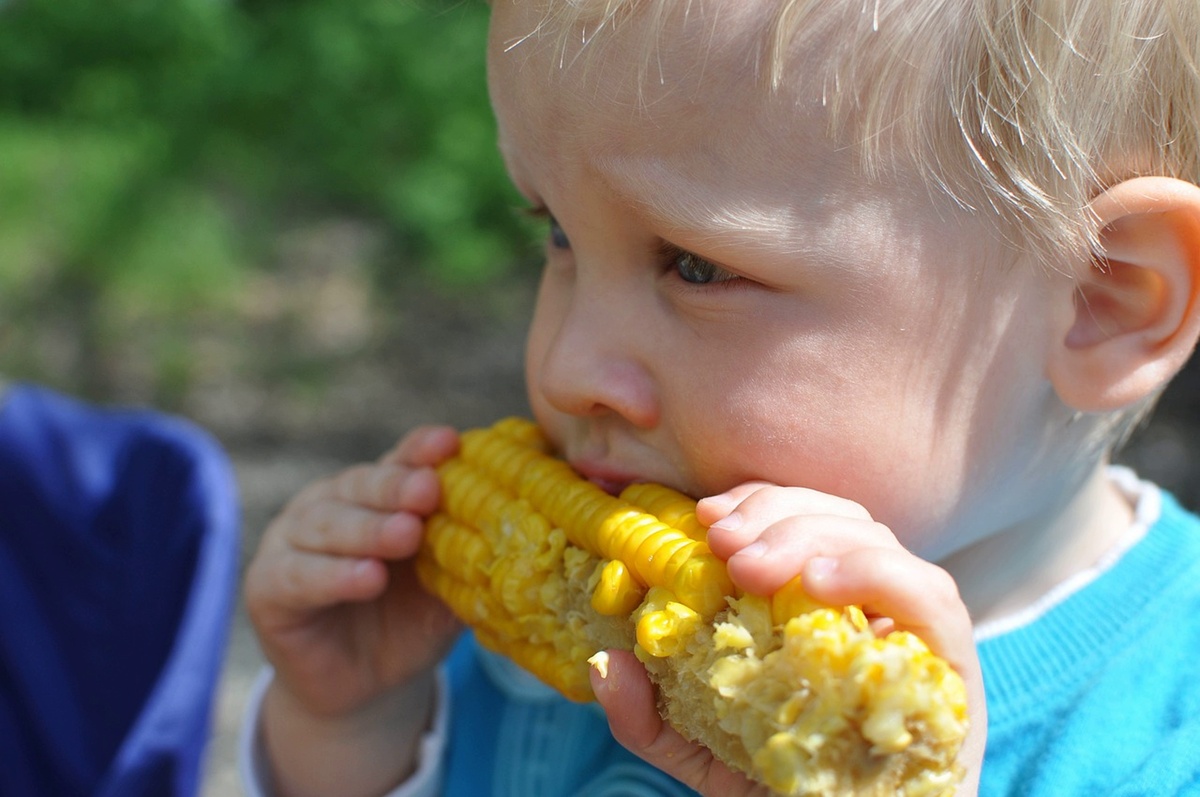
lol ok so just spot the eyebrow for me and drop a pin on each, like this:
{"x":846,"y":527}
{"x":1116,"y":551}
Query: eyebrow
{"x":670,"y":200}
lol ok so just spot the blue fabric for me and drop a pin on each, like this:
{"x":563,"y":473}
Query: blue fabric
{"x":507,"y":745}
{"x":1102,"y":694}
{"x":118,"y":568}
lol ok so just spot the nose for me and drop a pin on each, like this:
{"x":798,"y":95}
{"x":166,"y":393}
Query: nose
{"x":594,"y":361}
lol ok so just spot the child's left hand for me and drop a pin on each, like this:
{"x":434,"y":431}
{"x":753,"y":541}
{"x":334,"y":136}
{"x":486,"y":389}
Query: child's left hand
{"x":768,"y":535}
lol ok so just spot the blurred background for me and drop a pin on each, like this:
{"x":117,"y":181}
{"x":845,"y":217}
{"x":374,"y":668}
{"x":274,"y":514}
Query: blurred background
{"x":288,"y":222}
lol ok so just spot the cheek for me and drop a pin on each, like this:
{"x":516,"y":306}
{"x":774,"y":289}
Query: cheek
{"x":876,"y":428}
{"x":903,"y":470}
{"x":790,"y":416}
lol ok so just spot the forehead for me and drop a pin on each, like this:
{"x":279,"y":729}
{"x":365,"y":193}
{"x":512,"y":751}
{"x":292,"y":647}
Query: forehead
{"x":637,"y":33}
{"x":648,"y":51}
{"x":693,"y":86}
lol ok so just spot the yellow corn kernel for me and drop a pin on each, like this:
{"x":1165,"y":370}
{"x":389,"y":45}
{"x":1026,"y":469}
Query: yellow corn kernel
{"x":669,"y":506}
{"x":502,"y":467}
{"x":781,"y":760}
{"x":616,"y":592}
{"x":664,"y":625}
{"x":791,"y":601}
{"x":549,"y":569}
{"x":455,"y":546}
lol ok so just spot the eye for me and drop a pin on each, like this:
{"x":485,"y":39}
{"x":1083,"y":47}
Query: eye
{"x":555,"y":235}
{"x":694,"y":269}
{"x":558,"y":238}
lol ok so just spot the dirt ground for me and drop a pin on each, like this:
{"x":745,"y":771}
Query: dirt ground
{"x":457,"y":360}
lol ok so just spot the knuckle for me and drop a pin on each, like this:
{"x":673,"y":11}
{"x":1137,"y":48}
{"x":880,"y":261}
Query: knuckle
{"x":305,"y":519}
{"x":311,"y":492}
{"x":942,"y":586}
{"x":260,"y":589}
{"x":773,"y":494}
{"x":395,"y":485}
{"x":880,"y":529}
{"x":694,"y":765}
{"x":325,"y":529}
{"x":346,"y":483}
{"x":855,"y":509}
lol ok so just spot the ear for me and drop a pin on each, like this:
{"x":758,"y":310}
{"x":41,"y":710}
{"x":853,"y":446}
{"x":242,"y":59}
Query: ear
{"x":1136,"y":313}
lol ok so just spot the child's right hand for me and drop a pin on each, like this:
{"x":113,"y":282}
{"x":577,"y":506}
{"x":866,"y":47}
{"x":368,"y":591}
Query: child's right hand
{"x":768,"y":535}
{"x":334,"y":598}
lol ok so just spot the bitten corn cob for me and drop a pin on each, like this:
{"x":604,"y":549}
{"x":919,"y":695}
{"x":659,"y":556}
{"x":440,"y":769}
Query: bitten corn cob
{"x":549,"y":569}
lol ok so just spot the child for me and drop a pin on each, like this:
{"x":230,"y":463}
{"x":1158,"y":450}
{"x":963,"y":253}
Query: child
{"x":885,"y":283}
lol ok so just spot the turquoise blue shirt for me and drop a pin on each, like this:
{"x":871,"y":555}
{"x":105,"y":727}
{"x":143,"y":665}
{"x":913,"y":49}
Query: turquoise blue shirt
{"x":1099,"y":694}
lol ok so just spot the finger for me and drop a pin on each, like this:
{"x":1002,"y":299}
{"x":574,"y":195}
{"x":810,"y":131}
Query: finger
{"x":424,"y":446}
{"x":921,"y":598}
{"x":711,"y":509}
{"x":303,"y":582}
{"x":779,"y":552}
{"x":627,"y":696}
{"x":388,"y":488}
{"x":917,"y":595}
{"x":767,"y":505}
{"x":340,"y":529}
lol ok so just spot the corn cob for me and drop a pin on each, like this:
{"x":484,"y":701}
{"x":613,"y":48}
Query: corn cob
{"x":548,"y":569}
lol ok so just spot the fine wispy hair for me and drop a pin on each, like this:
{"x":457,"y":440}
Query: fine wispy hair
{"x":1023,"y":108}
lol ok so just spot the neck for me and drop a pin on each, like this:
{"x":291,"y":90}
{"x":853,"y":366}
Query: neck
{"x":1010,"y":570}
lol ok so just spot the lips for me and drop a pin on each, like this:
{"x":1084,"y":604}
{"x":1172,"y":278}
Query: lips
{"x":608,"y":479}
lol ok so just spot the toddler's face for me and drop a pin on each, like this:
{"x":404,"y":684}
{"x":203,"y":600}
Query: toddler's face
{"x":726,"y":298}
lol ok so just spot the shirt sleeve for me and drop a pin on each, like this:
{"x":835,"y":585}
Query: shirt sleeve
{"x":426,"y":781}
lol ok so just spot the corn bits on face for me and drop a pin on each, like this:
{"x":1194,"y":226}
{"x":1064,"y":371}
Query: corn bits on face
{"x":548,"y":569}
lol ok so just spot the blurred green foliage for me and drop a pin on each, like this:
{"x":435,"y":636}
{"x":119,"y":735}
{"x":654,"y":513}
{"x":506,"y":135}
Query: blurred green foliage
{"x":152,"y":150}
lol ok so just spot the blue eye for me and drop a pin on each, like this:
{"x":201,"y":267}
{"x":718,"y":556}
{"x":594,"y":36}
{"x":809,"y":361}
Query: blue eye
{"x":558,"y":238}
{"x":696,"y":270}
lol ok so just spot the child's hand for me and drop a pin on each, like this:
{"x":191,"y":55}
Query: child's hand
{"x":628,"y":699}
{"x":768,"y":535}
{"x":338,"y":609}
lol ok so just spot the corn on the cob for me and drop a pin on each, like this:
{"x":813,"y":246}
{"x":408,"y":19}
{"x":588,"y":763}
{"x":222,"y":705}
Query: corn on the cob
{"x":548,"y":569}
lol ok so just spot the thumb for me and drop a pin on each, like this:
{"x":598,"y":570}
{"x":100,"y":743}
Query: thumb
{"x":624,"y":691}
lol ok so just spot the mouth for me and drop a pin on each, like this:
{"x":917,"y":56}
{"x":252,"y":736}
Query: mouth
{"x":609,"y":480}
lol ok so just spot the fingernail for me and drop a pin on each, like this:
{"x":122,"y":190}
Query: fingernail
{"x":363,"y":569}
{"x":731,"y":522}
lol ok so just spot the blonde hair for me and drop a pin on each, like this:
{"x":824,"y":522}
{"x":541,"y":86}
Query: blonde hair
{"x":1026,"y":107}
